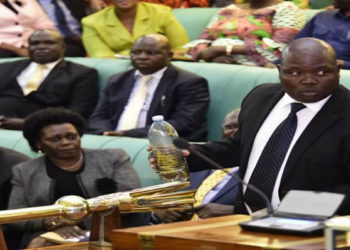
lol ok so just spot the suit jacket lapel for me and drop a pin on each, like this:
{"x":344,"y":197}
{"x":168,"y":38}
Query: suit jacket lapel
{"x":114,"y":26}
{"x":141,"y":23}
{"x":321,"y":122}
{"x":261,"y":108}
{"x":53,"y":75}
{"x":14,"y":72}
{"x":159,"y":96}
{"x":122,"y":91}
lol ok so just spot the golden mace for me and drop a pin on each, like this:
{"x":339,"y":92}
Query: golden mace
{"x":73,"y":208}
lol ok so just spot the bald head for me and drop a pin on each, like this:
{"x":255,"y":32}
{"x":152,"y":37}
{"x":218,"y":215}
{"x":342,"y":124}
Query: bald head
{"x":230,"y":124}
{"x":160,"y":40}
{"x":151,"y":53}
{"x":47,"y":32}
{"x":309,"y":71}
{"x":308,"y":47}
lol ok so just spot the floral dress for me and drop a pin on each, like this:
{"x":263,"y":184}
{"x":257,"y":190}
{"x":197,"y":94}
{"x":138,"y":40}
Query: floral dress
{"x":264,"y":32}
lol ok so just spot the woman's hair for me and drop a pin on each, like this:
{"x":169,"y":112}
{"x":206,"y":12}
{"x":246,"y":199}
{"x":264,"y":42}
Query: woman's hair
{"x":36,"y":121}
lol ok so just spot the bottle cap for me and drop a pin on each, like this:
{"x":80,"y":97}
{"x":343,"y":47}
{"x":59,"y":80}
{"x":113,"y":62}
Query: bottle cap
{"x":157,"y":118}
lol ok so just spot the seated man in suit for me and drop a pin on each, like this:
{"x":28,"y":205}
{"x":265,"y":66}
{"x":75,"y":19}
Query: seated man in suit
{"x":45,"y":80}
{"x":216,"y":191}
{"x":8,"y":159}
{"x":153,"y":87}
{"x":292,"y":135}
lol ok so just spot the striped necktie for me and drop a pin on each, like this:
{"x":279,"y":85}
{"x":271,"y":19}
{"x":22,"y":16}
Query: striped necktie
{"x":271,"y":159}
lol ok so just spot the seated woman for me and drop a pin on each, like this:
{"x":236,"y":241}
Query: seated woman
{"x":114,"y":29}
{"x":18,"y":20}
{"x":65,"y":169}
{"x":248,"y":34}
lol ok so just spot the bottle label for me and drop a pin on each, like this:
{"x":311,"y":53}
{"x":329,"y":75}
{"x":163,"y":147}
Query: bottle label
{"x":171,"y":163}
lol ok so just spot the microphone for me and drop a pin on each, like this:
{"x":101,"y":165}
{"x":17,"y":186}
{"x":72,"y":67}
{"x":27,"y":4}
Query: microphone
{"x":184,"y":144}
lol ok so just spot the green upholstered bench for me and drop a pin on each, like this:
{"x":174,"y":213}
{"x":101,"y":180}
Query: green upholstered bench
{"x":135,"y":147}
{"x":228,"y":86}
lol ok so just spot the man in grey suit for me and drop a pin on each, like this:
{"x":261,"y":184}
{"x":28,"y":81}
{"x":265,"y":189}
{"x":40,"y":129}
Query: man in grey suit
{"x":318,"y":156}
{"x":180,"y":96}
{"x":60,"y":83}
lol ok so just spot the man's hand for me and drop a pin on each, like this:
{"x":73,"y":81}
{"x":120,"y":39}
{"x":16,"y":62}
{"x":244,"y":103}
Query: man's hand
{"x":70,"y":231}
{"x":153,"y":161}
{"x":64,"y":229}
{"x":173,"y":215}
{"x":52,"y":223}
{"x":19,"y":51}
{"x":213,"y":210}
{"x":11,"y":123}
{"x":114,"y":133}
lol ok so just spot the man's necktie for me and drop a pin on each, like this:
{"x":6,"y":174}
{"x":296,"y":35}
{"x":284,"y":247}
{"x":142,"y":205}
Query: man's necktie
{"x":61,"y":20}
{"x":35,"y":79}
{"x":132,"y":110}
{"x":208,"y":184}
{"x":270,"y":161}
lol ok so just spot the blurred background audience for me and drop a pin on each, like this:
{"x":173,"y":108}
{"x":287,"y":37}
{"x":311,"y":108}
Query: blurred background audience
{"x":18,"y":20}
{"x":332,"y":26}
{"x":43,"y":80}
{"x":114,"y":29}
{"x":250,"y":34}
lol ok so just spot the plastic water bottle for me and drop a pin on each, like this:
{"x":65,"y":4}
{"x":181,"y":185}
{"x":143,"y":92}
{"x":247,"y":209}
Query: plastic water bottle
{"x":171,"y":163}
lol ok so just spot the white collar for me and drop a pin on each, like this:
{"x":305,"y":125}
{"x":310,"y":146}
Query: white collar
{"x":313,"y":106}
{"x":156,"y":75}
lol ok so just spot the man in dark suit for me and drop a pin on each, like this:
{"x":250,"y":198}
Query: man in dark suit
{"x":180,"y":96}
{"x":8,"y":158}
{"x":318,"y":156}
{"x":45,"y":80}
